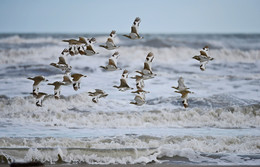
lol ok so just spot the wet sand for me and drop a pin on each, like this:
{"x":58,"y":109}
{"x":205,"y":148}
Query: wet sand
{"x":135,"y":165}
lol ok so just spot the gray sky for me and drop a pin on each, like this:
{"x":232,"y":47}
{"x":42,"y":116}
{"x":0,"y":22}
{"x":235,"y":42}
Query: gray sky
{"x":102,"y":16}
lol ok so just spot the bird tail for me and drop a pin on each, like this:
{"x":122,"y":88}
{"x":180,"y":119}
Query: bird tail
{"x":102,"y":46}
{"x":103,"y":67}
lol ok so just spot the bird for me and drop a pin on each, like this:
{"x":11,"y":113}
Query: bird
{"x":181,"y":85}
{"x":112,"y":63}
{"x":73,"y":46}
{"x":39,"y":98}
{"x":72,"y":41}
{"x":134,"y":30}
{"x":123,"y":83}
{"x":139,"y":84}
{"x":76,"y":80}
{"x":203,"y":58}
{"x":97,"y":95}
{"x":89,"y":51}
{"x":37,"y":80}
{"x":147,"y":70}
{"x":139,"y":81}
{"x":139,"y":98}
{"x":57,"y":85}
{"x":184,"y":95}
{"x":62,"y":64}
{"x":110,"y":45}
{"x":67,"y":80}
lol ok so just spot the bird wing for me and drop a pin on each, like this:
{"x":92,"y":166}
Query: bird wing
{"x":111,"y":62}
{"x":134,"y":30}
{"x":76,"y":77}
{"x":147,"y":67}
{"x":62,"y":60}
{"x":123,"y":83}
{"x":89,"y":47}
{"x":181,"y":84}
{"x":204,"y":53}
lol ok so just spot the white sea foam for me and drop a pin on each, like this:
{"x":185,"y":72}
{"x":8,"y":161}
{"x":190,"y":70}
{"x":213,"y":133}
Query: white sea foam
{"x":130,"y":149}
{"x":80,"y":111}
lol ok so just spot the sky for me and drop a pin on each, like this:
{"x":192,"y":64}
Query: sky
{"x":102,"y":16}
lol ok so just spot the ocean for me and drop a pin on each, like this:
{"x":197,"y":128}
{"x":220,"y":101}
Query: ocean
{"x":221,"y":125}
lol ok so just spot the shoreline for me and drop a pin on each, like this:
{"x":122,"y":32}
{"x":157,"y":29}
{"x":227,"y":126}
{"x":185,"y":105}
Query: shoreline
{"x":39,"y":164}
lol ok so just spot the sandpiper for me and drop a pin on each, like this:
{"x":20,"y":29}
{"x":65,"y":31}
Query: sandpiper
{"x":62,"y":64}
{"x":181,"y":85}
{"x":76,"y":80}
{"x":134,"y":30}
{"x":123,"y":83}
{"x":39,"y":98}
{"x":57,"y":85}
{"x":203,"y":58}
{"x":110,"y":45}
{"x":112,"y":63}
{"x":147,"y":70}
{"x":97,"y":95}
{"x":37,"y":80}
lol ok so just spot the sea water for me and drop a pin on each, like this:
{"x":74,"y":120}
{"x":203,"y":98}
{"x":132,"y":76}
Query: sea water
{"x":220,"y":126}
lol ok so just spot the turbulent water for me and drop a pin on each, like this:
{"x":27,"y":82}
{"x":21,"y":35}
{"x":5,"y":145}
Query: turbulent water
{"x":220,"y":126}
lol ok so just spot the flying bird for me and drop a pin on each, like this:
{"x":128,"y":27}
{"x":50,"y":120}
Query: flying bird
{"x":62,"y":64}
{"x":37,"y":80}
{"x":181,"y":86}
{"x":139,"y":98}
{"x":97,"y":95}
{"x":110,"y":45}
{"x":184,"y":95}
{"x":112,"y":63}
{"x":134,"y":30}
{"x":203,"y":58}
{"x":57,"y":85}
{"x":123,"y":83}
{"x":147,"y":70}
{"x":76,"y":78}
{"x":39,"y":98}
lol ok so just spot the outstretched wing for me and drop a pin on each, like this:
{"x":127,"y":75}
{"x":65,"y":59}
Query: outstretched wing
{"x":62,"y":60}
{"x":111,"y":62}
{"x":123,"y":83}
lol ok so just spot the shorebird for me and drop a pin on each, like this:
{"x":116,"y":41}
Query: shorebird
{"x":39,"y":98}
{"x":123,"y":84}
{"x":181,"y":85}
{"x":72,"y":41}
{"x":76,"y":80}
{"x":62,"y":64}
{"x":139,"y":84}
{"x":112,"y":63}
{"x":73,"y":46}
{"x":203,"y":58}
{"x":110,"y":45}
{"x":139,"y":98}
{"x":37,"y":80}
{"x":97,"y":95}
{"x":89,"y":51}
{"x":139,"y":81}
{"x":134,"y":30}
{"x":57,"y":85}
{"x":147,"y":70}
{"x":184,"y":95}
{"x":67,"y":79}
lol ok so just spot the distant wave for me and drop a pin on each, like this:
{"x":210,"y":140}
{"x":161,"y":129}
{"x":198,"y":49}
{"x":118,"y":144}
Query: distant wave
{"x":80,"y":110}
{"x":133,"y":53}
